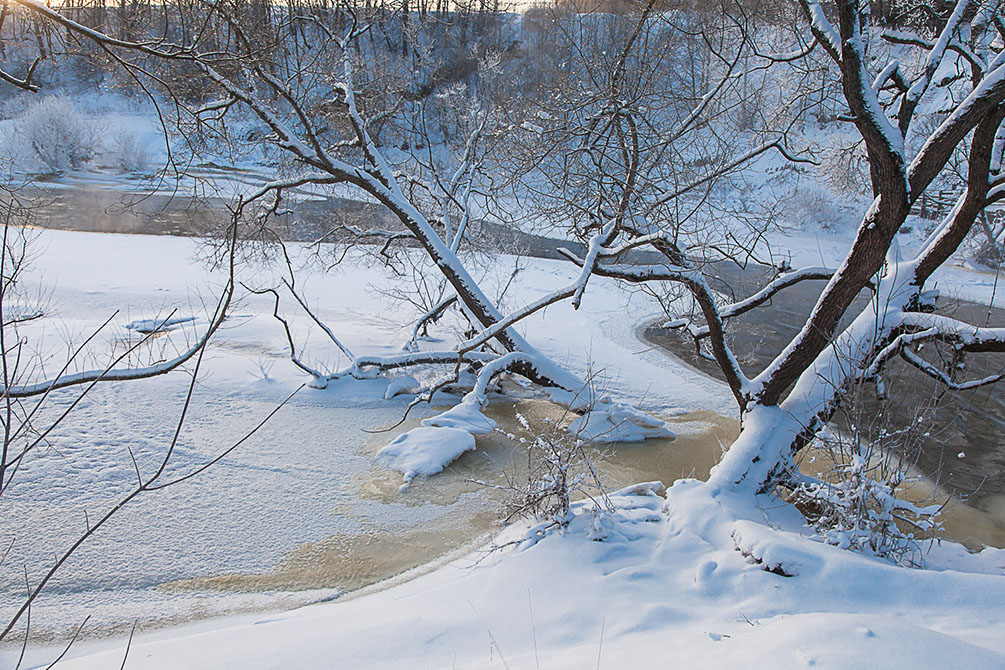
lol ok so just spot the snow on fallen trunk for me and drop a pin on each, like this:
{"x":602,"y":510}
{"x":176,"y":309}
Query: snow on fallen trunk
{"x":610,"y":421}
{"x":466,"y":416}
{"x":418,"y":452}
{"x":425,"y":450}
{"x":403,"y":385}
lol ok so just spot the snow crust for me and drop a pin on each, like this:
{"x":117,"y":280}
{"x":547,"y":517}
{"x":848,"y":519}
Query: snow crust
{"x":156,"y":325}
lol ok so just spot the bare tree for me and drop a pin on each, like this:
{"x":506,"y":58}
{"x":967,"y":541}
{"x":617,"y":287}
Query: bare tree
{"x":328,"y":137}
{"x":793,"y":397}
{"x":343,"y":151}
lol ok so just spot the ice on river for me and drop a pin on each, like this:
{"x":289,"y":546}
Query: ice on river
{"x":297,"y":480}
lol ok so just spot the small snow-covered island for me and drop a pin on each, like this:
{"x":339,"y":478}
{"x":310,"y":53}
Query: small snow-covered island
{"x":627,"y":333}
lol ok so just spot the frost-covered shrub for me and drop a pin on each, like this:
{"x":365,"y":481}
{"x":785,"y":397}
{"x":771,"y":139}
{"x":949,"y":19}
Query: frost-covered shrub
{"x":56,"y":134}
{"x":812,"y":207}
{"x":845,"y":168}
{"x":985,"y":246}
{"x":859,"y":509}
{"x":859,"y":502}
{"x":129,"y":151}
{"x":559,"y":468}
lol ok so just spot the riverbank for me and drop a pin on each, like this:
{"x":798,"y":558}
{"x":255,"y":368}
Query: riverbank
{"x":660,"y":575}
{"x":250,"y":359}
{"x":281,"y":504}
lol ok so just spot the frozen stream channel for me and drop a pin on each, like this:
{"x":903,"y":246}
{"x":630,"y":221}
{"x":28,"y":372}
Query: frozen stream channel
{"x":298,"y":513}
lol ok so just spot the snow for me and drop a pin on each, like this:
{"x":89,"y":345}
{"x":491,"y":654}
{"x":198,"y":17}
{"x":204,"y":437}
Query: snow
{"x":465,"y":416}
{"x":160,"y":325}
{"x":667,"y":581}
{"x":425,"y":450}
{"x":610,"y":421}
{"x":300,"y":478}
{"x":674,"y":574}
{"x":405,"y":384}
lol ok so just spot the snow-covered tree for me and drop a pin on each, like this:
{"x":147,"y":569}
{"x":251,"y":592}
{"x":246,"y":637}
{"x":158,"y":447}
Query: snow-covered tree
{"x":793,"y":397}
{"x":328,"y":134}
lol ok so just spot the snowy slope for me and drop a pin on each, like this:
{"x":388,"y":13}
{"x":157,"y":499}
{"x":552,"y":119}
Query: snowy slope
{"x":659,"y":581}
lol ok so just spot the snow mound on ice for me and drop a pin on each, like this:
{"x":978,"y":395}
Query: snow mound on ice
{"x":466,"y":416}
{"x":162,"y":325}
{"x":610,"y":421}
{"x":440,"y":439}
{"x":425,"y":450}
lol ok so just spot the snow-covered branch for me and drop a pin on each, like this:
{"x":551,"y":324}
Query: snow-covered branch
{"x":986,"y":98}
{"x":704,"y":296}
{"x":962,"y":335}
{"x":432,"y":315}
{"x":823,"y":30}
{"x":910,"y":99}
{"x":109,"y":373}
{"x":941,"y":376}
{"x":24,"y":83}
{"x":779,"y":283}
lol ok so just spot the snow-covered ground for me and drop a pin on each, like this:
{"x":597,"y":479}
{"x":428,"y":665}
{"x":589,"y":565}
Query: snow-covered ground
{"x":661,"y":578}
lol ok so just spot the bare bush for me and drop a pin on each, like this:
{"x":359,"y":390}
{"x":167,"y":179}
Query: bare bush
{"x":129,"y":152}
{"x":845,"y":168}
{"x":811,"y":206}
{"x":861,"y":501}
{"x":560,"y":467}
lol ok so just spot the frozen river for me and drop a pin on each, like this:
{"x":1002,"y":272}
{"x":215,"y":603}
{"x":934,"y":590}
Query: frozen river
{"x":300,"y":512}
